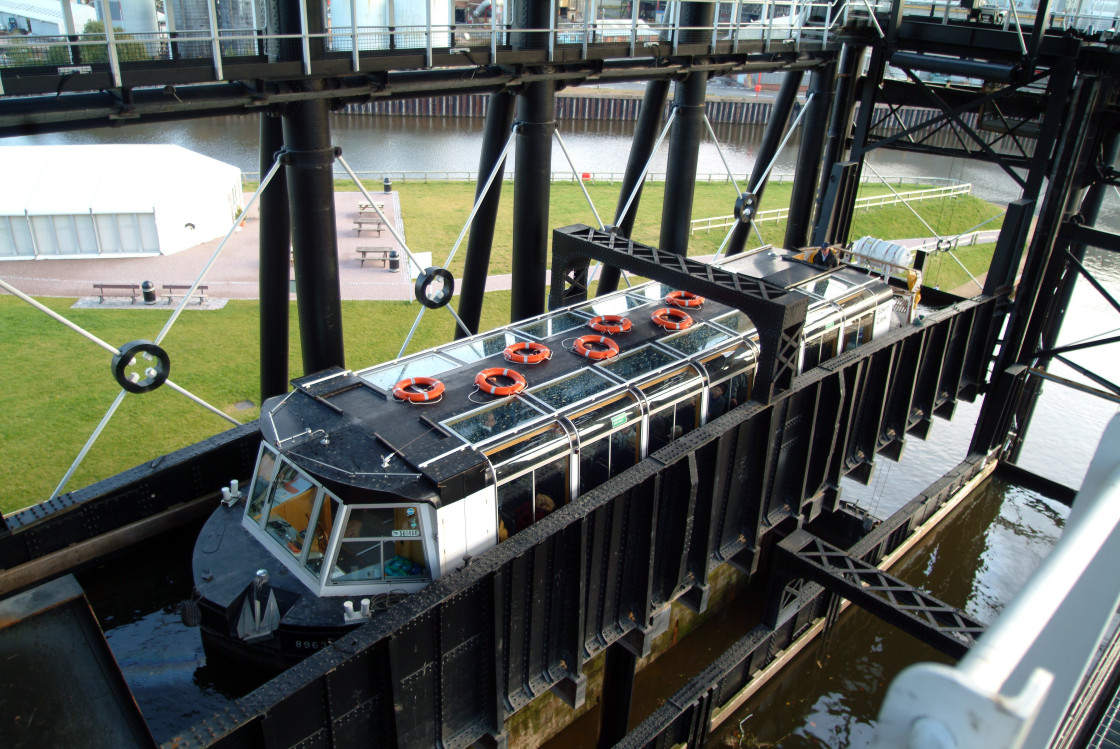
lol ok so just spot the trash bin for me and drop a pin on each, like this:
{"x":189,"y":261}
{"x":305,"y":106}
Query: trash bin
{"x":149,"y":290}
{"x":394,"y":261}
{"x":387,"y":184}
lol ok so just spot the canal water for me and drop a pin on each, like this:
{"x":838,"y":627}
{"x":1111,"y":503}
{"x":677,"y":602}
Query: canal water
{"x":976,"y":560}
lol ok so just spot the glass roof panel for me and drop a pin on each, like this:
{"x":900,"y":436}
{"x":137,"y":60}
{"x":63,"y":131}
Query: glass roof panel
{"x":428,"y":365}
{"x":619,"y":304}
{"x":652,"y":291}
{"x":696,"y":339}
{"x":554,"y":325}
{"x":634,"y":364}
{"x":480,"y":348}
{"x":572,"y":388}
{"x":496,"y":419}
{"x":737,"y":321}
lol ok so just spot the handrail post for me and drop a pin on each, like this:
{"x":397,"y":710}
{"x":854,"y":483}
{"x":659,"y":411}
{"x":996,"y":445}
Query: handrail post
{"x":215,"y":45}
{"x":354,"y":36}
{"x":551,"y":30}
{"x":305,"y":41}
{"x":111,"y":42}
{"x":427,"y":35}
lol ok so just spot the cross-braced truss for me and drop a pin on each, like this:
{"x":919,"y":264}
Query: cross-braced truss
{"x":930,"y":620}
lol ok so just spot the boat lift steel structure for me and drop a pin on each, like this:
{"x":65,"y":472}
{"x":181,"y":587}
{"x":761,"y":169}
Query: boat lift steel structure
{"x":601,"y":573}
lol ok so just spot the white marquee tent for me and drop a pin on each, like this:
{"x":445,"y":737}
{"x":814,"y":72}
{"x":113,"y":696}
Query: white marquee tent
{"x":112,"y":200}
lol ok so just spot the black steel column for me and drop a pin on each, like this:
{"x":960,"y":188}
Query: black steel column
{"x":617,"y":696}
{"x":532,"y":181}
{"x":684,"y":143}
{"x":309,"y":158}
{"x":275,"y":245}
{"x":1052,"y":325}
{"x":472,"y":288}
{"x":870,"y":85}
{"x":839,"y":127}
{"x":1004,"y":405}
{"x":641,"y":148}
{"x":767,"y":150}
{"x":806,"y":177}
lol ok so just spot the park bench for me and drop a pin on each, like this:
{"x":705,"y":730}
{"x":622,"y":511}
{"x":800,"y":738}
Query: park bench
{"x":378,"y":253}
{"x":172,"y":290}
{"x":369,"y":223}
{"x":125,"y":289}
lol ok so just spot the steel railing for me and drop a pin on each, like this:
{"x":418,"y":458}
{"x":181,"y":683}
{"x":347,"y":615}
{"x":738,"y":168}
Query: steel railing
{"x":869,"y":201}
{"x":213,"y":38}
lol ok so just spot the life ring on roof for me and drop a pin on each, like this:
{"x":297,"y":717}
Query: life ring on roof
{"x":671,"y":319}
{"x":527,"y":352}
{"x":588,"y":346}
{"x":610,"y":324}
{"x":684,"y":299}
{"x":482,"y":380}
{"x":418,"y":389}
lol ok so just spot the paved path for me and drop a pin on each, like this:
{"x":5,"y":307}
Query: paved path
{"x":235,"y":274}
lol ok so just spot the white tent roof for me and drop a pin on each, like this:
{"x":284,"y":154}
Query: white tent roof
{"x":65,"y":180}
{"x":48,"y":10}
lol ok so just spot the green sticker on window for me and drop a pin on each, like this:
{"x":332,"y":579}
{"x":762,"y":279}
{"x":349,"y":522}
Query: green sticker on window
{"x":618,"y":420}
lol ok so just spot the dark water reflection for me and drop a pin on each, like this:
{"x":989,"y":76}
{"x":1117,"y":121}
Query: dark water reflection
{"x":831,"y":693}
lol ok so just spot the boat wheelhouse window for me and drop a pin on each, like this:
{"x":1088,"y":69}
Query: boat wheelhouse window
{"x":262,"y":478}
{"x":380,"y":543}
{"x":481,"y":348}
{"x":554,"y":325}
{"x":737,"y":321}
{"x":618,"y":304}
{"x":695,"y":339}
{"x":427,"y":365}
{"x":821,"y":343}
{"x":674,"y":405}
{"x":573,"y":388}
{"x":731,"y":374}
{"x":634,"y":364}
{"x":609,"y":439}
{"x":858,"y":331}
{"x":534,"y":475}
{"x":324,"y":524}
{"x":289,"y":508}
{"x":479,"y":426}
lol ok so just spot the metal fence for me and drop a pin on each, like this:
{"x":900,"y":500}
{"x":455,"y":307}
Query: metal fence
{"x":869,"y":201}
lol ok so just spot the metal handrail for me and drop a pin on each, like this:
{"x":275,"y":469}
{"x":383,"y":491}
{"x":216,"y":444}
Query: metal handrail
{"x":222,"y":43}
{"x":1015,"y":685}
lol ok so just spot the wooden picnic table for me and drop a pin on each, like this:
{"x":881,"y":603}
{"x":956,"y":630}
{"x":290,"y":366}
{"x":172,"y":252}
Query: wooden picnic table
{"x":375,"y":224}
{"x":378,"y":253}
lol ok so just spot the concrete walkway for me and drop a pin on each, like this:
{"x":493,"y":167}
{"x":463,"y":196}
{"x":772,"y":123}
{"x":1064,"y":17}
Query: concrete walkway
{"x":235,"y":274}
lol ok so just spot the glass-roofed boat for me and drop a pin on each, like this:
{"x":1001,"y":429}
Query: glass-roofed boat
{"x":375,"y":482}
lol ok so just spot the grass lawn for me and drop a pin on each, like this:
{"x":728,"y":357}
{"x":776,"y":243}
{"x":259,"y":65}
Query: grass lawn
{"x":943,"y":272}
{"x":56,"y":386}
{"x":434,"y":214}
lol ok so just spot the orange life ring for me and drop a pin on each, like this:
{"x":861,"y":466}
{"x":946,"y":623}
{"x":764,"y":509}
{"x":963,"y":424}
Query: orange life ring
{"x":583,"y":347}
{"x":671,"y":319}
{"x":520,"y":352}
{"x":684,"y":299}
{"x":482,"y":380}
{"x":430,"y":388}
{"x":610,"y":324}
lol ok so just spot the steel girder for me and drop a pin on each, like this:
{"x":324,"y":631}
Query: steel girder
{"x":687,"y":717}
{"x":778,"y":314}
{"x":930,"y":620}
